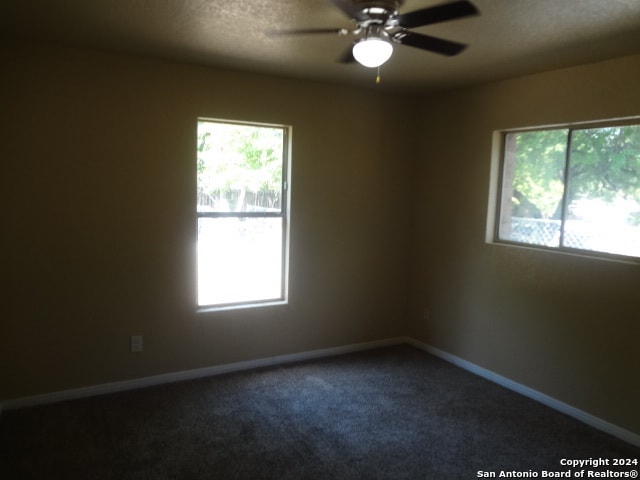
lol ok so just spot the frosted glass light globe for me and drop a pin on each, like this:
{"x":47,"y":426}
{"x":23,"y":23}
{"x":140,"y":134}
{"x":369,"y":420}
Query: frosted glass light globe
{"x":372,"y":52}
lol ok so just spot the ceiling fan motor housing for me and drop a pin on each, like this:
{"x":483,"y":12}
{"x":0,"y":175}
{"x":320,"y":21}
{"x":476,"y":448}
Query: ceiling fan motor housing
{"x":376,"y":11}
{"x":391,"y":5}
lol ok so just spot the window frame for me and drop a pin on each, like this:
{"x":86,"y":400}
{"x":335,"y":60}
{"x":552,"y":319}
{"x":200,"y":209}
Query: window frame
{"x":498,"y":156}
{"x":284,"y":215}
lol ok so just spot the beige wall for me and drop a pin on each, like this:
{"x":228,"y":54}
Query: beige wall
{"x":566,"y":326}
{"x":98,"y":192}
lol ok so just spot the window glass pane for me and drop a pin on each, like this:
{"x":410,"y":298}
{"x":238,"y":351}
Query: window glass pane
{"x":239,"y":167}
{"x":603,"y":195}
{"x":533,"y":187}
{"x":239,"y":260}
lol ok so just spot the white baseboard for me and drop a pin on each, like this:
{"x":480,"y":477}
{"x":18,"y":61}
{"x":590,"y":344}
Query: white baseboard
{"x":115,"y":387}
{"x":587,"y":418}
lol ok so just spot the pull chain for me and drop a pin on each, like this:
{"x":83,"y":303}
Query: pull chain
{"x":378,"y":77}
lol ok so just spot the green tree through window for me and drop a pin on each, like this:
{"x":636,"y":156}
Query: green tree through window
{"x":573,"y":188}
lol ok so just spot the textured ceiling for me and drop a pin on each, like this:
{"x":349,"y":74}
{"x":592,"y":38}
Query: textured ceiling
{"x":509,"y":38}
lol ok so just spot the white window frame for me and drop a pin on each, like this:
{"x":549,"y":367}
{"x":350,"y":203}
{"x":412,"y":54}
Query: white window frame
{"x":284,"y":214}
{"x":496,"y":189}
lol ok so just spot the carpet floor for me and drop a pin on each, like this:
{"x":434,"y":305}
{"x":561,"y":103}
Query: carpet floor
{"x":390,"y":413}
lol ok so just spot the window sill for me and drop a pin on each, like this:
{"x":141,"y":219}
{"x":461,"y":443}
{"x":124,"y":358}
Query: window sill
{"x":587,"y":254}
{"x":240,"y":306}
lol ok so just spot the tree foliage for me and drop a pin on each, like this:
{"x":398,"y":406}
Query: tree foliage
{"x":603,"y":165}
{"x":240,"y":166}
{"x":605,"y":162}
{"x":538,"y":182}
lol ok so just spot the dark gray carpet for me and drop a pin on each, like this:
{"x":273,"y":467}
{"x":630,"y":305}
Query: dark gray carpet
{"x":392,"y":413}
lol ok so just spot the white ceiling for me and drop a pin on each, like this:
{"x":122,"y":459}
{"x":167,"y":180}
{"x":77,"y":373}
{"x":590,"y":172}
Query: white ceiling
{"x":509,"y":38}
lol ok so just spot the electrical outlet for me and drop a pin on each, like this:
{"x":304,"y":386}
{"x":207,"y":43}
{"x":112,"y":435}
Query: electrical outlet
{"x":136,"y":343}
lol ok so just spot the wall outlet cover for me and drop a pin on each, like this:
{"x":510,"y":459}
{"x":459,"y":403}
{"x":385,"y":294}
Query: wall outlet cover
{"x":137,"y":344}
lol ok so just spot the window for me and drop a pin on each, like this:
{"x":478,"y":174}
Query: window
{"x":573,"y":189}
{"x":242,"y":213}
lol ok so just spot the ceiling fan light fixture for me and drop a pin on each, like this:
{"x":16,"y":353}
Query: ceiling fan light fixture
{"x":372,"y":51}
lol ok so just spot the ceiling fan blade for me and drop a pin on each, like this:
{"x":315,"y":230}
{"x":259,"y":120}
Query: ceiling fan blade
{"x":427,"y":42}
{"x":347,"y":56}
{"x":347,"y":7}
{"x":436,"y":14}
{"x":309,"y":31}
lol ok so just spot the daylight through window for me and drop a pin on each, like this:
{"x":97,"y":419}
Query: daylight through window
{"x":572,"y":189}
{"x":242,"y":213}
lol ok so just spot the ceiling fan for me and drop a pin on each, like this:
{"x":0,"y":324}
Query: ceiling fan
{"x":379,"y":25}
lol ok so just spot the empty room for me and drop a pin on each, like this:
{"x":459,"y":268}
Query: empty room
{"x":320,"y":239}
